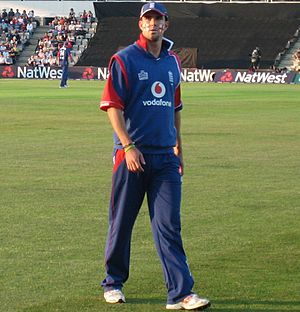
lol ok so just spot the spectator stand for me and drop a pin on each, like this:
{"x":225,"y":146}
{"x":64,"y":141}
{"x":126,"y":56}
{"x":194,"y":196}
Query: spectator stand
{"x":76,"y":29}
{"x":287,"y":59}
{"x":231,"y":31}
{"x":296,"y":61}
{"x":16,"y":30}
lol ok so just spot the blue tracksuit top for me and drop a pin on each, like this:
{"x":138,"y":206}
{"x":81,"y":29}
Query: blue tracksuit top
{"x":147,"y":90}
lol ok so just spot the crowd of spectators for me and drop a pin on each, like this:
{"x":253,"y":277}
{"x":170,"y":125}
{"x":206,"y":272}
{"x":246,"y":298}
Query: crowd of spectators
{"x":69,"y":29}
{"x":16,"y":29}
{"x":296,"y":60}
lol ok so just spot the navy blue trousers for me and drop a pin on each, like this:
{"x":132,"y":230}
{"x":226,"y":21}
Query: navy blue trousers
{"x":161,"y":182}
{"x":64,"y":77}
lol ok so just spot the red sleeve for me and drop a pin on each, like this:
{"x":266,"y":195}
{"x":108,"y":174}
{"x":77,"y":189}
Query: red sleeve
{"x":110,"y":96}
{"x":178,"y":101}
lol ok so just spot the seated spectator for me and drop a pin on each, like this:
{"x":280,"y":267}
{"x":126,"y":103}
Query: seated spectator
{"x":31,"y":16}
{"x":8,"y":58}
{"x":3,"y":35}
{"x":72,"y":26}
{"x":4,"y":14}
{"x":29,"y":28}
{"x":14,"y":39}
{"x":4,"y":25}
{"x":296,"y":61}
{"x":41,"y":54}
{"x":24,"y":15}
{"x":2,"y":59}
{"x":83,"y":16}
{"x":71,"y":37}
{"x":11,"y":14}
{"x":14,"y":51}
{"x":2,"y":47}
{"x":90,"y":17}
{"x":50,"y":61}
{"x":32,"y":60}
{"x":78,"y":27}
{"x":17,"y":14}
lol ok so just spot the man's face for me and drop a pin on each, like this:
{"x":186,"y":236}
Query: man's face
{"x":153,"y":25}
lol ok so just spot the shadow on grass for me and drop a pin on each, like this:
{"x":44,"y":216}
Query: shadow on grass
{"x":234,"y":305}
{"x":157,"y":304}
{"x":159,"y":301}
{"x":95,"y":304}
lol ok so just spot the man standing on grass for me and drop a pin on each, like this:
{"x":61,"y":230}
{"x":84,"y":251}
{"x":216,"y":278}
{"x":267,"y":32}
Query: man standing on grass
{"x":143,"y":102}
{"x":63,"y":56}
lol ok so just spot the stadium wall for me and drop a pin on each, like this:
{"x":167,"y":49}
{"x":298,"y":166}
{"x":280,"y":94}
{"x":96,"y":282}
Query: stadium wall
{"x":187,"y":74}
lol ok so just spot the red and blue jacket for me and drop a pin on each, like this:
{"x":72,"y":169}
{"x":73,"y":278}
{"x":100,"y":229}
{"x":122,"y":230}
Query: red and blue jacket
{"x":147,"y":90}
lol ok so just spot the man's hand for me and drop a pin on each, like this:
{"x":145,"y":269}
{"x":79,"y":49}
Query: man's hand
{"x":135,"y":160}
{"x":178,"y":153}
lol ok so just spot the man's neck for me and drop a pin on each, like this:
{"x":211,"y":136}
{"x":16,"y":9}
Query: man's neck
{"x":154,"y":47}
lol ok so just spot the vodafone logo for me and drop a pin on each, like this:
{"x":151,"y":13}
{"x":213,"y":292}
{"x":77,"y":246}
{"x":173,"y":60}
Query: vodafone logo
{"x":158,"y":89}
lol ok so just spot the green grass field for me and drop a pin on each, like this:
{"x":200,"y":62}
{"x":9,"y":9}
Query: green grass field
{"x":240,"y":209}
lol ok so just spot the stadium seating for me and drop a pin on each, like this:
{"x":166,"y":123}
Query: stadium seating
{"x":97,"y":54}
{"x":63,"y":29}
{"x":16,"y":29}
{"x":224,"y":34}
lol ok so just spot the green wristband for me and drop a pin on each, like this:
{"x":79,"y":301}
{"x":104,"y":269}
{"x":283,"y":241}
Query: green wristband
{"x":129,"y":147}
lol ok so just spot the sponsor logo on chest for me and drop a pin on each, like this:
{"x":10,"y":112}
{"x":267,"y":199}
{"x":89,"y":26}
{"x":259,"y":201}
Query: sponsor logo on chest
{"x":158,"y":90}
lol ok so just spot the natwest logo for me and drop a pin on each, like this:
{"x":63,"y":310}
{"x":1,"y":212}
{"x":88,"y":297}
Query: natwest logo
{"x":39,"y":73}
{"x":256,"y":77}
{"x":158,"y":89}
{"x":260,"y":77}
{"x":7,"y":72}
{"x":227,"y":77}
{"x":88,"y":73}
{"x":197,"y":75}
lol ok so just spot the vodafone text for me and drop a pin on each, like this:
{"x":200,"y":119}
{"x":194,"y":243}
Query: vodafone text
{"x":155,"y":102}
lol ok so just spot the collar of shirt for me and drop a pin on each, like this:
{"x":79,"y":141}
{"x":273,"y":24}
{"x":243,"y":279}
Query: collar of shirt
{"x":166,"y":44}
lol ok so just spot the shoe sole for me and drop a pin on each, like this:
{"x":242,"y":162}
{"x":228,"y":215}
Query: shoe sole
{"x":193,"y":309}
{"x":201,"y":308}
{"x":115,"y":302}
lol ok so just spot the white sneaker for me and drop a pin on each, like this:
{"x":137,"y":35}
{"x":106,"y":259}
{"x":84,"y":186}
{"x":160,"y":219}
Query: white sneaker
{"x":114,"y":296}
{"x":191,"y":302}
